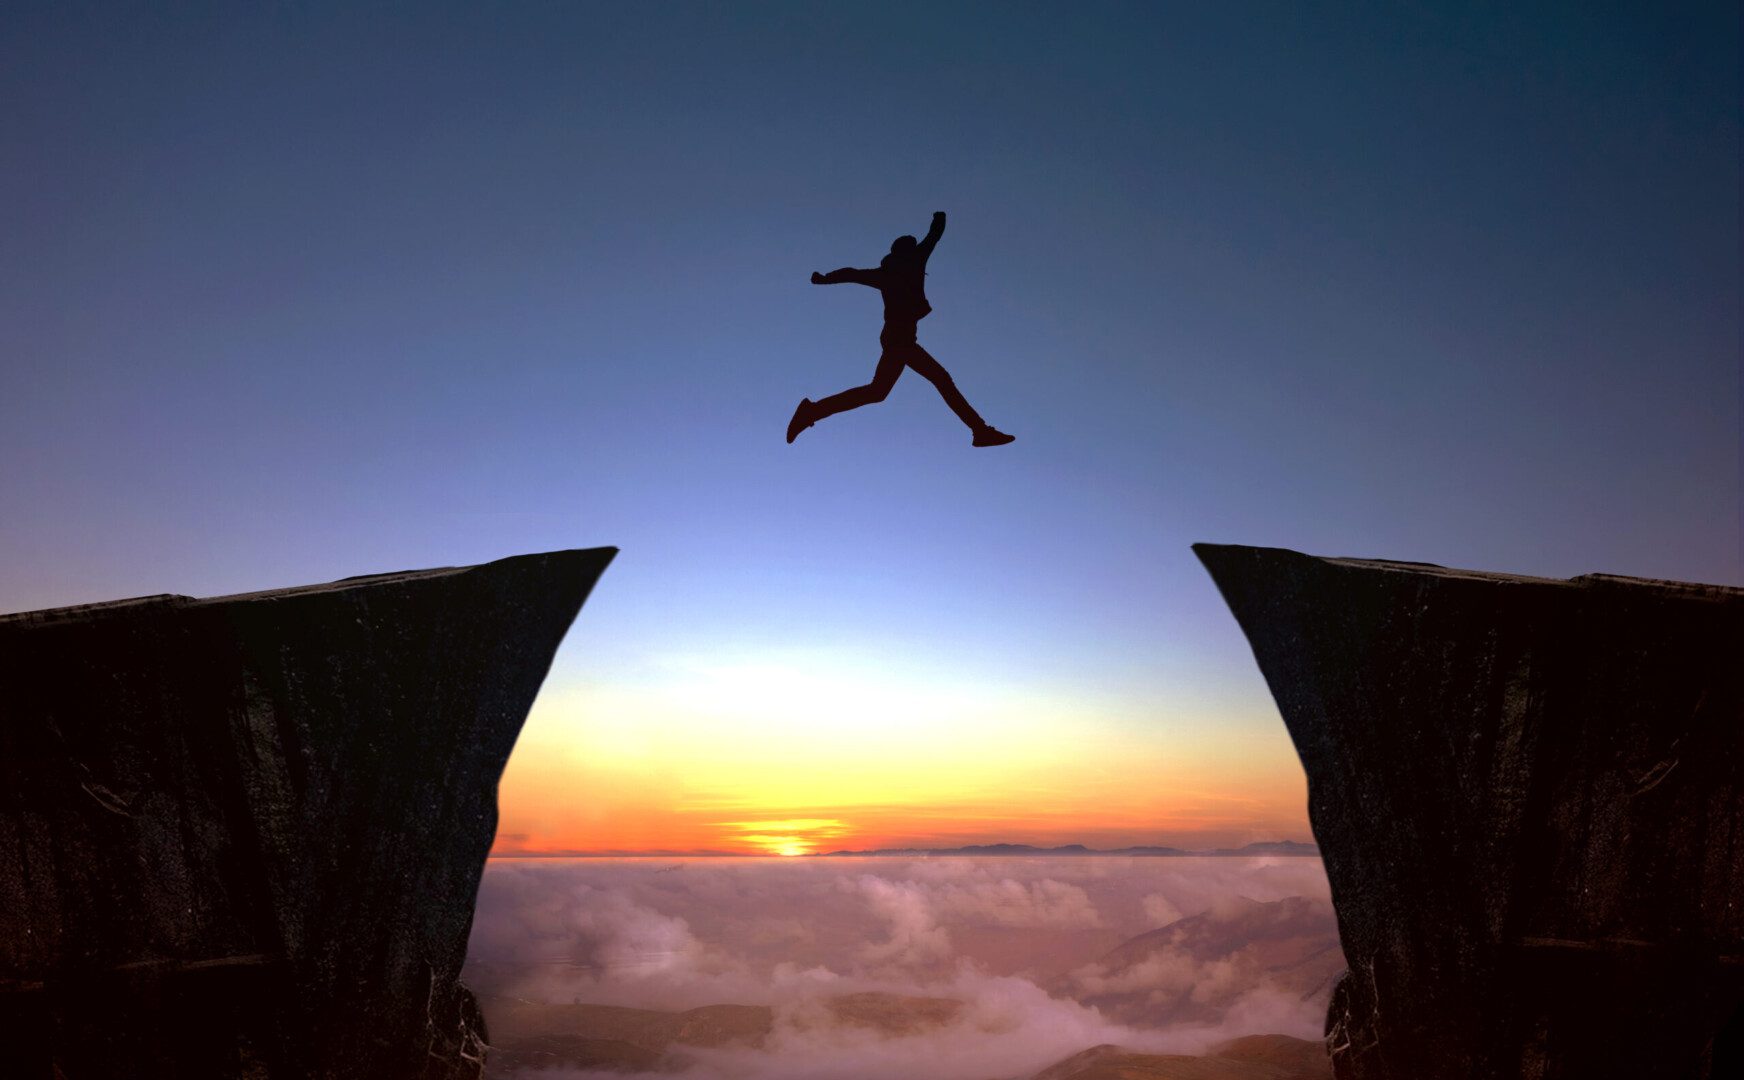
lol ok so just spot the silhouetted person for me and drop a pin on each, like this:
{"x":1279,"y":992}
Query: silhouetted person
{"x":901,"y":278}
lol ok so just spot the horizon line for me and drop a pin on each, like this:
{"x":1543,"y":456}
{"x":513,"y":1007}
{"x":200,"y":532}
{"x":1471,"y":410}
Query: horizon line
{"x":965,"y":850}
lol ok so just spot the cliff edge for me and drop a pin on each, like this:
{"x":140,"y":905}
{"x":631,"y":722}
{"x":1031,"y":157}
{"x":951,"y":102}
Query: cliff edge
{"x":1529,"y":797}
{"x":242,"y":836}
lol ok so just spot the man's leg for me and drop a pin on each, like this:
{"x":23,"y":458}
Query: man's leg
{"x":883,"y":378}
{"x":934,"y":372}
{"x":810,"y":412}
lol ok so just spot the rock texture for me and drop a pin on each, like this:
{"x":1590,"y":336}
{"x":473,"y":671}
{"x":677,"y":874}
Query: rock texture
{"x":242,"y":837}
{"x":1529,"y":797}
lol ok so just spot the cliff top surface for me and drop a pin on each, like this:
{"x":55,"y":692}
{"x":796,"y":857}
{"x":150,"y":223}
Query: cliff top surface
{"x":1219,"y":552}
{"x":77,"y":613}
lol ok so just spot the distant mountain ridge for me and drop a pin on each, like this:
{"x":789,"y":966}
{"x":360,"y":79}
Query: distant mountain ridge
{"x":1269,"y":847}
{"x":1253,"y":1057}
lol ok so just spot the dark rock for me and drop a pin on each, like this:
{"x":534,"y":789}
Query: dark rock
{"x":1529,"y":800}
{"x":242,"y":837}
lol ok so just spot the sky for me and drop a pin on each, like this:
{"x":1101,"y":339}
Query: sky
{"x":303,"y":291}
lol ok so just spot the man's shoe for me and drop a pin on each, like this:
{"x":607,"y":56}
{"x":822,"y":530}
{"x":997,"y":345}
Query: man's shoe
{"x":802,"y":419}
{"x":991,"y":436}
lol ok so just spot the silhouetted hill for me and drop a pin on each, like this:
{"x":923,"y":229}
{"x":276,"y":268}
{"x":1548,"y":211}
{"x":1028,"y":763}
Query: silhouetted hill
{"x":892,"y":1015}
{"x":1254,"y":1057}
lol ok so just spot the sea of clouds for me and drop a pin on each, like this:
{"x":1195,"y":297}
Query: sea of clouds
{"x":1019,"y":940}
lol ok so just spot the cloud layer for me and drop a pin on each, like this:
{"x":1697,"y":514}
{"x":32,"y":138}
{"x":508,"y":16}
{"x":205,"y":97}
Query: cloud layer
{"x":1040,"y":952}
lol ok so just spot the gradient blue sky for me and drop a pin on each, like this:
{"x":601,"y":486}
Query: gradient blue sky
{"x":295,"y":293}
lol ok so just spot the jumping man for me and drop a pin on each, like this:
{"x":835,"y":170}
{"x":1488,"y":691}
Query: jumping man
{"x":901,"y":278}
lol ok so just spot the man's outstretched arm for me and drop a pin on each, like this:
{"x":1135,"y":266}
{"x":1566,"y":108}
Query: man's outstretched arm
{"x":933,"y":234}
{"x":845,"y":276}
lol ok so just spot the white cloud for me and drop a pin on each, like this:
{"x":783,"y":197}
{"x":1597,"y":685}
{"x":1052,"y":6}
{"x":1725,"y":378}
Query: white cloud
{"x":787,"y":933}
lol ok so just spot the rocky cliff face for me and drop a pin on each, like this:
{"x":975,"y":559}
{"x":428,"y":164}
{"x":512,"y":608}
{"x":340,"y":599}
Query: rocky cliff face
{"x":1529,"y":795}
{"x":241,"y":837}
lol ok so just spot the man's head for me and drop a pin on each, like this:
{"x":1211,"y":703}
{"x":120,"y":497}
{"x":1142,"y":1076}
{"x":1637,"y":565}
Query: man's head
{"x":903,"y":245}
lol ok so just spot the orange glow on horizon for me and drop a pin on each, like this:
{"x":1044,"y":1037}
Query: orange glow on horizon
{"x":550,"y":813}
{"x":789,"y":837}
{"x":738,"y":763}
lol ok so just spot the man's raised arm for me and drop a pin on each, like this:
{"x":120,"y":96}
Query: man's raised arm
{"x":933,"y":234}
{"x":845,"y":276}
